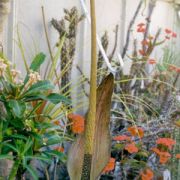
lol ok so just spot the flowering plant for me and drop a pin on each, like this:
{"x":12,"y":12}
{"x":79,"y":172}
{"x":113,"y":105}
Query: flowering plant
{"x":25,"y":131}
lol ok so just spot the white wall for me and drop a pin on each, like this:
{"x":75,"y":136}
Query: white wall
{"x":26,"y":14}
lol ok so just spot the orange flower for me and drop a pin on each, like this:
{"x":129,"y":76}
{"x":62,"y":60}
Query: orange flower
{"x":78,"y":123}
{"x":141,"y":52}
{"x":156,"y":150}
{"x":151,"y":61}
{"x":178,"y":156}
{"x":168,"y":31}
{"x":131,"y":148}
{"x":147,"y":175}
{"x":110,"y":166}
{"x":121,"y":138}
{"x":172,"y":67}
{"x":56,"y":123}
{"x":174,"y":35}
{"x":141,"y":25}
{"x":177,"y":70}
{"x":166,"y":142}
{"x":59,"y":149}
{"x":141,"y":29}
{"x":164,"y":157}
{"x":145,"y":42}
{"x":136,"y":131}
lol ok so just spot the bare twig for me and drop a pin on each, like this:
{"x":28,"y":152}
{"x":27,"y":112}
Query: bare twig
{"x":115,"y":44}
{"x":130,"y":27}
{"x":152,"y":5}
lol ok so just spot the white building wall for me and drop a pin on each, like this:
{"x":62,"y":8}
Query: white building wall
{"x":27,"y":15}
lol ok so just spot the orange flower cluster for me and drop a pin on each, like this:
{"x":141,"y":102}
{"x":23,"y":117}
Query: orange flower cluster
{"x":110,"y":166}
{"x":147,"y":175}
{"x":59,"y":149}
{"x":168,"y":142}
{"x":122,"y":138}
{"x":78,"y":123}
{"x":136,"y":131}
{"x":131,"y":148}
{"x":164,"y":156}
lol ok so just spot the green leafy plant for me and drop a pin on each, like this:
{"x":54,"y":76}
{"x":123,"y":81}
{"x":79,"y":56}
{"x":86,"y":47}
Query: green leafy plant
{"x":25,"y":133}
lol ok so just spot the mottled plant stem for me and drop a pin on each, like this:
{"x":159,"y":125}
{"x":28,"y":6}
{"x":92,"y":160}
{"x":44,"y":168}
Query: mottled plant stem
{"x":91,"y":117}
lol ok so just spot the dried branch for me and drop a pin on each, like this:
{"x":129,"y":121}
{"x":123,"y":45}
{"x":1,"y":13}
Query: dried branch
{"x":115,"y":44}
{"x":130,"y":27}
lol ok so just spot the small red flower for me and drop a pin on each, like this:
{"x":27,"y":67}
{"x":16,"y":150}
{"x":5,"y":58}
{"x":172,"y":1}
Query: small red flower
{"x":141,"y":52}
{"x":174,"y":68}
{"x":178,"y":156}
{"x":174,"y":35}
{"x":136,"y":131}
{"x":164,"y":157}
{"x":168,"y":31}
{"x":147,"y":175}
{"x":141,"y":30}
{"x":177,"y":70}
{"x":141,"y":25}
{"x":56,"y":123}
{"x":59,"y":149}
{"x":156,"y":150}
{"x":145,"y":42}
{"x":122,"y":138}
{"x":151,"y":61}
{"x":110,"y":166}
{"x":131,"y":148}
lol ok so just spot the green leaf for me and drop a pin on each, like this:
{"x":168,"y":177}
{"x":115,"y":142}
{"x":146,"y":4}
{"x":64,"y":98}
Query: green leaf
{"x":11,"y":147}
{"x":38,"y":60}
{"x":54,"y":139}
{"x":18,"y":136}
{"x":32,"y":172}
{"x":57,"y":154}
{"x":28,"y":145}
{"x":16,"y":122}
{"x":38,"y":87}
{"x":57,"y":98}
{"x":161,"y":68}
{"x":38,"y":157}
{"x":5,"y":156}
{"x":18,"y":107}
{"x":36,"y":63}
